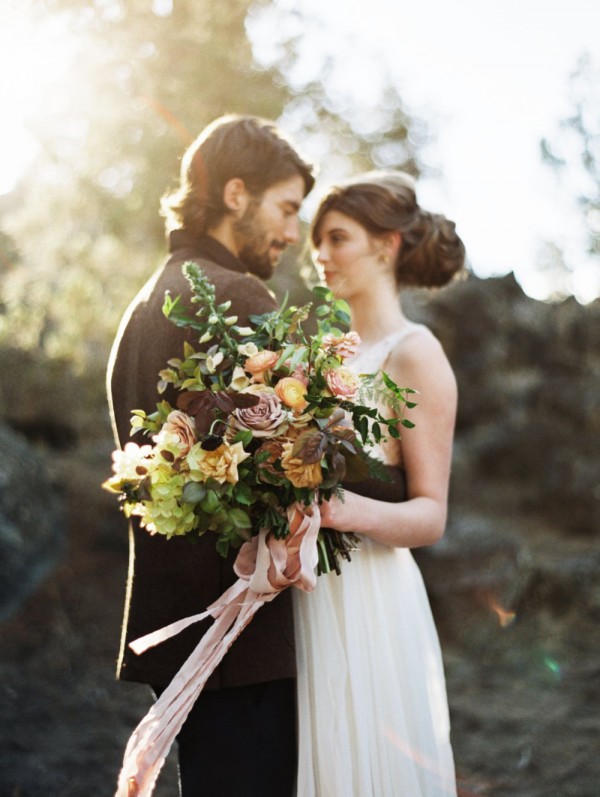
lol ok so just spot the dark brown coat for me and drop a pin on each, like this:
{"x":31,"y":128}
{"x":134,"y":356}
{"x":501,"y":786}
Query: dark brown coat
{"x":171,"y":579}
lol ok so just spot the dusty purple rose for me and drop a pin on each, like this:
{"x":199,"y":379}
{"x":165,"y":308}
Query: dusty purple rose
{"x":265,"y":418}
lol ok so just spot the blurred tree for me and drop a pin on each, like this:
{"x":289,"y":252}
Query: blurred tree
{"x":343,"y":101}
{"x":85,"y":218}
{"x":81,"y":231}
{"x":574,"y":150}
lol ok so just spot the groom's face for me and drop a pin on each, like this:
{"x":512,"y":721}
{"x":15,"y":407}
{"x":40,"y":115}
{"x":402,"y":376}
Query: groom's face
{"x":268,"y":225}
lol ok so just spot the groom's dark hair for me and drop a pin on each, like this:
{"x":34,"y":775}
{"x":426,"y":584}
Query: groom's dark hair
{"x":244,"y":147}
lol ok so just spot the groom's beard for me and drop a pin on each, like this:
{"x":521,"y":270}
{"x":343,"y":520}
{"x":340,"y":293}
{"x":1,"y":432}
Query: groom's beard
{"x":256,"y":250}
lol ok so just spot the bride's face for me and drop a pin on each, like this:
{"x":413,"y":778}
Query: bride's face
{"x":347,"y":257}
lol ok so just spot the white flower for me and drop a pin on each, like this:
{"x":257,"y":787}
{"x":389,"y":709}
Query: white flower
{"x":248,"y":349}
{"x":245,"y":330}
{"x":130,"y":467}
{"x":213,"y":361}
{"x":239,"y":379}
{"x":127,"y":461}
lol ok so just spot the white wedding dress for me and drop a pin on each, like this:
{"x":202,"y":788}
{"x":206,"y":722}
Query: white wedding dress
{"x":372,"y":707}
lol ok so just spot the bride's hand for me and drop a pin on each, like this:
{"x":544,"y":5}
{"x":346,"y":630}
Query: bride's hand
{"x":340,"y":515}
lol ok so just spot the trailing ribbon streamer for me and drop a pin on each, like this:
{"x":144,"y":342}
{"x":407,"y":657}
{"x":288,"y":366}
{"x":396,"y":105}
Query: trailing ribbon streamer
{"x":265,"y":566}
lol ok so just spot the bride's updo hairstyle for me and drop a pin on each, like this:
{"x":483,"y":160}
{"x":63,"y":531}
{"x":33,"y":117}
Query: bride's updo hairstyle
{"x":431,"y":253}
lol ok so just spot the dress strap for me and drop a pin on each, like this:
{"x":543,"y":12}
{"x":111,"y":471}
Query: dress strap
{"x":373,"y":358}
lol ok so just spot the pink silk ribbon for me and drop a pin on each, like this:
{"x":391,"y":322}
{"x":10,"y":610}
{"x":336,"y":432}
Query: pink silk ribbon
{"x":265,"y":566}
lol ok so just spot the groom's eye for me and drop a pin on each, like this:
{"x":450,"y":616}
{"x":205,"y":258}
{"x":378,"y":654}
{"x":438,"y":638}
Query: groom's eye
{"x":289,"y":210}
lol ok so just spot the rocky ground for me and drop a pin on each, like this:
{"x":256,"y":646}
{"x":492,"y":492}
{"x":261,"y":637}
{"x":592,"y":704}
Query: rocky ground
{"x":514,"y":585}
{"x":524,"y":691}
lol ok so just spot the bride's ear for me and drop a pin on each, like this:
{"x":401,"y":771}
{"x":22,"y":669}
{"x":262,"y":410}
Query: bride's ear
{"x":391,"y":243}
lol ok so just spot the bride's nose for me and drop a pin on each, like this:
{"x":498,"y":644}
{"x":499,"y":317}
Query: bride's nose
{"x":321,"y":254}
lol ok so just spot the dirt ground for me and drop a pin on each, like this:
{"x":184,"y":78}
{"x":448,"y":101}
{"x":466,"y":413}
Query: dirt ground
{"x":524,"y":697}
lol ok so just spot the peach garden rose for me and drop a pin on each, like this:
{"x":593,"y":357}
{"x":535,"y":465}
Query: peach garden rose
{"x":177,"y":430}
{"x":220,"y":464}
{"x":299,"y":473}
{"x":344,"y":346}
{"x":342,"y":382}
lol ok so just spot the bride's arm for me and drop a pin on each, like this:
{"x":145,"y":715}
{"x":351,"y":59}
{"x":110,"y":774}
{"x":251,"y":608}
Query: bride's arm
{"x":426,"y":454}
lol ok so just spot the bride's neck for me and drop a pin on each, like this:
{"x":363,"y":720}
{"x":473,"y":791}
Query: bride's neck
{"x":376,"y":315}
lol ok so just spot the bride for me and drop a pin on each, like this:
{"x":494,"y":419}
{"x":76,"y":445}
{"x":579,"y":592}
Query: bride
{"x":373,"y":713}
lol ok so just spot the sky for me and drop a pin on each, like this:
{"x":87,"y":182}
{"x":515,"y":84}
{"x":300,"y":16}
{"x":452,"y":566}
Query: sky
{"x":490,"y":77}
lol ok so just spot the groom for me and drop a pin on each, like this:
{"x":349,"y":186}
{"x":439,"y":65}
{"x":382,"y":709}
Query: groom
{"x":234,"y":213}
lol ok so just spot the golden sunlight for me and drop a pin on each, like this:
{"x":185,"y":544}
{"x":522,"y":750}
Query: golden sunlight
{"x":35,"y":55}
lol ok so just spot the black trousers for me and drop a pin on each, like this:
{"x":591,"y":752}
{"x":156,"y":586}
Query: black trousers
{"x":240,"y":742}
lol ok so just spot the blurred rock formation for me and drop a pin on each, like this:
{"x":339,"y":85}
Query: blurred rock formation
{"x":514,"y":584}
{"x":32,"y":521}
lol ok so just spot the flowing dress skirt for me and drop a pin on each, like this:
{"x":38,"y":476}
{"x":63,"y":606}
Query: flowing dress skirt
{"x":372,"y":706}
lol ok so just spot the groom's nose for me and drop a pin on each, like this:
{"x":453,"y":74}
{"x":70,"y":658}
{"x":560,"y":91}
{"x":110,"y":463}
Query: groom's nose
{"x":292,"y":231}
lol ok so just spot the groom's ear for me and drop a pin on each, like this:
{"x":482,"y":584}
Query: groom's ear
{"x":236,"y":196}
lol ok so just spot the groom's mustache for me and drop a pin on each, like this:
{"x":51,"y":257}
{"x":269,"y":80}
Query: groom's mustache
{"x":281,"y":245}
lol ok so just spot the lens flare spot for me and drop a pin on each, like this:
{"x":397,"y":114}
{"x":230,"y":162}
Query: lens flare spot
{"x":505,"y":617}
{"x":553,"y":666}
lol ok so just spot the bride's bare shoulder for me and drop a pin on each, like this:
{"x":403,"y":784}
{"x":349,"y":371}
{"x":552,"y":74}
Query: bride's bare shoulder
{"x":419,"y":356}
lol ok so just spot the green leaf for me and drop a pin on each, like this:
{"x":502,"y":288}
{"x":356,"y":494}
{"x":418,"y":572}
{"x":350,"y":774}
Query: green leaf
{"x":389,"y":382}
{"x":322,"y":292}
{"x":193,"y":492}
{"x":222,"y":546}
{"x":362,"y":426}
{"x":285,"y":355}
{"x":210,"y":503}
{"x":240,"y":519}
{"x":261,"y":457}
{"x":357,"y":468}
{"x":244,"y":436}
{"x":243,"y":494}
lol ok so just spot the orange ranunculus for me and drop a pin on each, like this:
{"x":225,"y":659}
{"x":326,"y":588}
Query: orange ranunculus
{"x":260,"y":362}
{"x":292,"y":391}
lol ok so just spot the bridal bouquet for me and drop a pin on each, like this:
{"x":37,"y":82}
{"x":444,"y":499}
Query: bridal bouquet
{"x":265,"y":417}
{"x":266,"y":422}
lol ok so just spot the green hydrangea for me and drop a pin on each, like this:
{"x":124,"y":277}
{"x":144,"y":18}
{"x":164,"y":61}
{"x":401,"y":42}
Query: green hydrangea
{"x":166,"y":513}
